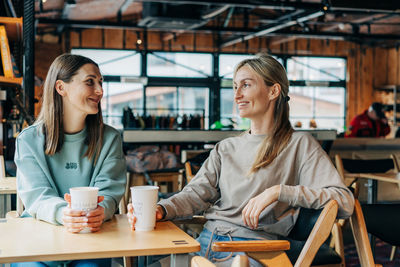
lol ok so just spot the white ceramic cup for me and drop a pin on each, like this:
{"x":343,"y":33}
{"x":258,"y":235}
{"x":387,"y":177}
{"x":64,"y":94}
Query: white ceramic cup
{"x":144,"y":201}
{"x":84,"y":198}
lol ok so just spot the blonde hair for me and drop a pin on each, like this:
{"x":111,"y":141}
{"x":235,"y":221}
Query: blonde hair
{"x":63,"y":68}
{"x":272,"y":72}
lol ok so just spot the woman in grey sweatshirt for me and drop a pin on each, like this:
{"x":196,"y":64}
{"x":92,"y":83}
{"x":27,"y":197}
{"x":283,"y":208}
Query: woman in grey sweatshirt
{"x":251,"y":186}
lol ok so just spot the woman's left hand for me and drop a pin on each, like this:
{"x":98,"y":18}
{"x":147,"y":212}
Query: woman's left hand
{"x":256,"y":205}
{"x":75,"y":220}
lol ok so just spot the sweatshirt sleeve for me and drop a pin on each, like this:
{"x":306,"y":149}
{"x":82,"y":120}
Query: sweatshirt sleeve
{"x":199,"y":194}
{"x":36,"y":191}
{"x":318,"y":183}
{"x":111,"y":175}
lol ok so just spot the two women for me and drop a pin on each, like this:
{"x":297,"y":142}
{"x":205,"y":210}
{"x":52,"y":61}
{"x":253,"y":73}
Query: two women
{"x":251,"y":186}
{"x":69,"y":146}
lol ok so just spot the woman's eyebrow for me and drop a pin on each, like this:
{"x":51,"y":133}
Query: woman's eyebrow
{"x":92,"y":76}
{"x":244,"y":79}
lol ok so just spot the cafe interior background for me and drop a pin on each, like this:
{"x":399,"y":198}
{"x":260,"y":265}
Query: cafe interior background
{"x":168,"y":67}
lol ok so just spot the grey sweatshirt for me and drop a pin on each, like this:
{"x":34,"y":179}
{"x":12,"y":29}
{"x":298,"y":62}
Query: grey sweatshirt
{"x":221,"y":188}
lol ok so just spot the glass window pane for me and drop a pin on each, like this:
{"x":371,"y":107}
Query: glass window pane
{"x":116,"y":97}
{"x":113,"y":62}
{"x":227,"y":63}
{"x":194,"y":101}
{"x":228,"y":108}
{"x":230,"y":112}
{"x":301,"y":101}
{"x":161,"y":100}
{"x":329,"y":101}
{"x":324,"y":104}
{"x":316,"y":101}
{"x":316,"y":68}
{"x":164,"y":64}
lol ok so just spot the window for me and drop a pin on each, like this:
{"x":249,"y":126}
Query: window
{"x":316,"y":69}
{"x":179,"y":102}
{"x":323,"y":104}
{"x":117,"y":96}
{"x":167,"y":64}
{"x":113,"y":62}
{"x":228,"y":62}
{"x":317,"y":91}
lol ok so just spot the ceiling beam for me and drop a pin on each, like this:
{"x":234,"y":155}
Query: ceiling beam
{"x":228,"y":30}
{"x":351,"y":6}
{"x":273,"y":28}
{"x":332,"y":27}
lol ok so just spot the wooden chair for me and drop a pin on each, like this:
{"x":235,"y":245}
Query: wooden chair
{"x":346,"y":166}
{"x":192,"y":165}
{"x":361,"y":225}
{"x":272,"y":252}
{"x":360,"y":236}
{"x":19,"y":206}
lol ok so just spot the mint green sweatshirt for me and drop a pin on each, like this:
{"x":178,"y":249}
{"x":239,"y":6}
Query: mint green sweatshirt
{"x":42,"y":180}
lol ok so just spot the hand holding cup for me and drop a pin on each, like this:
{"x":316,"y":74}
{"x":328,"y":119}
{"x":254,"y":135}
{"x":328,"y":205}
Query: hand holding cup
{"x":132,"y":218}
{"x":78,"y":217}
{"x":143,"y":212}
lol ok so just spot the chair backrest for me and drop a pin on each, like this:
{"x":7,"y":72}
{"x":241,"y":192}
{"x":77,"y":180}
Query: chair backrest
{"x":193,"y":165}
{"x":364,"y":166}
{"x":368,"y":165}
{"x":304,"y":224}
{"x":320,"y":232}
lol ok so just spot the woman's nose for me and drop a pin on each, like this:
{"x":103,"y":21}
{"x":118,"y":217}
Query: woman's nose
{"x":237,"y":94}
{"x":99,"y":90}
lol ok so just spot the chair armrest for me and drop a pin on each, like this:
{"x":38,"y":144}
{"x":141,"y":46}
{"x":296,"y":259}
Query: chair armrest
{"x":256,"y":245}
{"x":198,"y":261}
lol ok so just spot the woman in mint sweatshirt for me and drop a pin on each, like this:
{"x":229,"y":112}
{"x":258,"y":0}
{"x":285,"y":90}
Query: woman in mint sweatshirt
{"x":252,"y":185}
{"x":69,"y":146}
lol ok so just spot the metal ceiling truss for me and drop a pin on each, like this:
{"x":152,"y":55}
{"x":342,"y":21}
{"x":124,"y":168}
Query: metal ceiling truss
{"x":309,"y":16}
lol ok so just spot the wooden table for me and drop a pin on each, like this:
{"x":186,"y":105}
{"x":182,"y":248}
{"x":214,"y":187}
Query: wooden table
{"x":8,"y":186}
{"x":27,"y":239}
{"x":390,"y":177}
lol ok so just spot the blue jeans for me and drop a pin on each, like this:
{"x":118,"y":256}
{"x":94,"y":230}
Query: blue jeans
{"x":76,"y":263}
{"x":220,"y":258}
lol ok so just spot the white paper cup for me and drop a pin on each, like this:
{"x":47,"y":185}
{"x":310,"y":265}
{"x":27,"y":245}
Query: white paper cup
{"x":144,"y":201}
{"x":85,"y":199}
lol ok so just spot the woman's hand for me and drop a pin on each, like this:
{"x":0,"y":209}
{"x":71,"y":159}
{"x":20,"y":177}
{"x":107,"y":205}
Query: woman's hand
{"x":77,"y":220}
{"x":132,"y":217}
{"x":256,"y":205}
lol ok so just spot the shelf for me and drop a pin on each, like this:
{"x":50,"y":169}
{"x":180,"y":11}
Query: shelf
{"x":13,"y":28}
{"x":10,"y":81}
{"x":201,"y":136}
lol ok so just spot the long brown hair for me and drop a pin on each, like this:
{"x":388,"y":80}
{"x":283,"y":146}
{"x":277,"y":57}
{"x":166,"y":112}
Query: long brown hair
{"x":63,"y":68}
{"x":272,"y":72}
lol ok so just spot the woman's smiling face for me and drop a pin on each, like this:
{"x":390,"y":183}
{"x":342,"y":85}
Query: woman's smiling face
{"x":85,"y":91}
{"x":251,"y":93}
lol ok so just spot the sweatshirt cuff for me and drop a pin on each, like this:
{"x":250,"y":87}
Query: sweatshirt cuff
{"x":288,"y":194}
{"x":60,"y":214}
{"x":169,"y":209}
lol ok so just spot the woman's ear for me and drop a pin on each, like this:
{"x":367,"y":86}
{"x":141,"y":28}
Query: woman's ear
{"x":275,"y":91}
{"x":60,"y":87}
